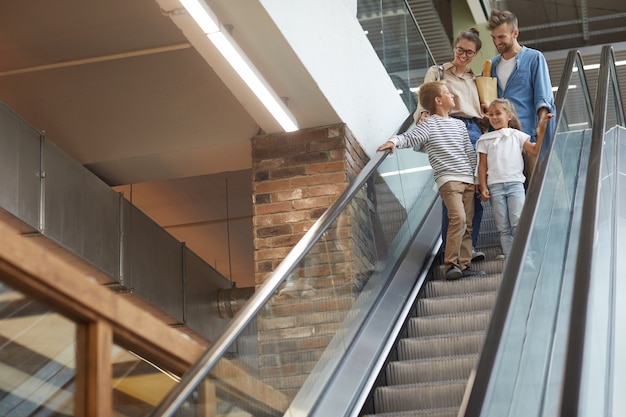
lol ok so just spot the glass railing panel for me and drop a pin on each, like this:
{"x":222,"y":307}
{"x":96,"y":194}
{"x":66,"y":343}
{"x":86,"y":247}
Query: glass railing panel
{"x":576,"y":113}
{"x":396,"y":38}
{"x":38,"y":365}
{"x":287,"y":354}
{"x":138,"y":385}
{"x":37,"y":358}
{"x":618,"y":351}
{"x":614,"y":106}
{"x":597,"y":365}
{"x":595,"y":381}
{"x":519,"y":376}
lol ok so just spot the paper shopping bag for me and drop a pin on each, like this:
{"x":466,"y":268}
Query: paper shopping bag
{"x":487,"y":89}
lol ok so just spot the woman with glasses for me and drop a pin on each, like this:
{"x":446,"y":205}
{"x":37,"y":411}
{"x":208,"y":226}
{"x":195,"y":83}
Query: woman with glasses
{"x":460,"y":80}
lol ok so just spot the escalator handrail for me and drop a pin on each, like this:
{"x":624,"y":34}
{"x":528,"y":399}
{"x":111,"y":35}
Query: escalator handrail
{"x":419,"y":30}
{"x":243,"y":318}
{"x":476,"y":390}
{"x":570,"y":393}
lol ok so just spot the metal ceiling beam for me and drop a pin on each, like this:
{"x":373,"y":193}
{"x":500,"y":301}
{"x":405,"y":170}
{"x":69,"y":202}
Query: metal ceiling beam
{"x":571,"y":22}
{"x":572,"y":36}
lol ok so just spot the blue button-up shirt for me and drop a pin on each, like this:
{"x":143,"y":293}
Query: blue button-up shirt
{"x":529,"y":89}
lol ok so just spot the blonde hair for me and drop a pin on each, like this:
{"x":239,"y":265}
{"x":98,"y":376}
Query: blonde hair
{"x":428,"y":92}
{"x":510,"y":109}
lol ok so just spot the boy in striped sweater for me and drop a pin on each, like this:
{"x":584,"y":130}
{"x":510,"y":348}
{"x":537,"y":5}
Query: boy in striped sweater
{"x":453,"y":160}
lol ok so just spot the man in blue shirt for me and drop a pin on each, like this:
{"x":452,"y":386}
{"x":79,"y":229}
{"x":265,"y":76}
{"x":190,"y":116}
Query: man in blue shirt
{"x":522,"y":73}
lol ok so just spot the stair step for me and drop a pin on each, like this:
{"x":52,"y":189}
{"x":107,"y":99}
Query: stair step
{"x":435,"y":346}
{"x":490,"y":252}
{"x":441,"y":412}
{"x":448,"y":324}
{"x":489,"y":235}
{"x":432,"y":306}
{"x":430,"y":370}
{"x":439,"y":395}
{"x":440,"y":288}
{"x":491,"y":267}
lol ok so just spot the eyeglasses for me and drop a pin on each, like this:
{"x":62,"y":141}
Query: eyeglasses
{"x":461,"y":51}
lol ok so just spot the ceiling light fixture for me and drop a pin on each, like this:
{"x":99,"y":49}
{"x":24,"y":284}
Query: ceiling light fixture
{"x":229,"y":49}
{"x":203,"y":16}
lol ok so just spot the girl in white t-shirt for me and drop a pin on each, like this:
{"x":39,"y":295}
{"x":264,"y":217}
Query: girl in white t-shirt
{"x":501,"y":167}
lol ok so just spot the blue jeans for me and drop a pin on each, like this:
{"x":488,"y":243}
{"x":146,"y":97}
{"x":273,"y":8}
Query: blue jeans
{"x":478,"y":217}
{"x":473,"y":129}
{"x":507,"y":201}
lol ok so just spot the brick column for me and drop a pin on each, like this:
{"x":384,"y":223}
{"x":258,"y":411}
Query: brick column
{"x":296,"y":177}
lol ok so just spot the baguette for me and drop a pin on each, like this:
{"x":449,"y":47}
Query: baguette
{"x":487,"y":68}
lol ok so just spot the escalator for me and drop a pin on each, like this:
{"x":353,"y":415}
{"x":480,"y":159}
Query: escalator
{"x":433,"y":381}
{"x":439,"y":344}
{"x":361,"y":332}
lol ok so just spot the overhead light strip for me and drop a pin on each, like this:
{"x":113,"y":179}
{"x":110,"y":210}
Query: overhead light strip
{"x":203,"y":16}
{"x":208,"y":22}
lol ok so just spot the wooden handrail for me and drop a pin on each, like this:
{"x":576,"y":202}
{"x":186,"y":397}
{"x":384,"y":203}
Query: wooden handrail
{"x":29,"y":265}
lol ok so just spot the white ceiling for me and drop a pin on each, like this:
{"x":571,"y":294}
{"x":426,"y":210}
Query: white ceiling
{"x":118,"y":86}
{"x":144,"y":116}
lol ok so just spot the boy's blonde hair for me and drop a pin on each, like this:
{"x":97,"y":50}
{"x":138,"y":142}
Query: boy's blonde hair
{"x":428,"y":92}
{"x":510,"y":109}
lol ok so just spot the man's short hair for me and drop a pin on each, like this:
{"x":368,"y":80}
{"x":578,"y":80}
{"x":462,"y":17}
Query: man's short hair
{"x":499,"y":17}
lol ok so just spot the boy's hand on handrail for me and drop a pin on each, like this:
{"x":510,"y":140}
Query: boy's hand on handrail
{"x":387,"y":145}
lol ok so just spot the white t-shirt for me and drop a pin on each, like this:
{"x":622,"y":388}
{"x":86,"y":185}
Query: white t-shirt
{"x":503,"y":148}
{"x":505,"y":69}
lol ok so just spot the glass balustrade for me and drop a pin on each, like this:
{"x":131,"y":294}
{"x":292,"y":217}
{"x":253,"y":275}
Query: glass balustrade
{"x":285,"y":356}
{"x":38,"y":371}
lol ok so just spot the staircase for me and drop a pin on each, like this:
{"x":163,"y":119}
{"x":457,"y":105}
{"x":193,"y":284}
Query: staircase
{"x":428,"y":370}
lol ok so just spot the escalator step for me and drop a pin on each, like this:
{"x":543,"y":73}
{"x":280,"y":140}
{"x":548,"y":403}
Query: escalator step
{"x":441,"y":412}
{"x":439,"y":288}
{"x":419,"y":396}
{"x":448,"y":324}
{"x":434,"y":346}
{"x":430,"y":370}
{"x":455,"y":304}
{"x":490,"y":267}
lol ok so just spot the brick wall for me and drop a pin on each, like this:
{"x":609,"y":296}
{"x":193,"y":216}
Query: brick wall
{"x":296,"y":177}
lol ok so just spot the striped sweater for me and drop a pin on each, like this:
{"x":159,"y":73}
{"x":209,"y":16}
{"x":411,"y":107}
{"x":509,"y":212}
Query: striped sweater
{"x":450,"y":151}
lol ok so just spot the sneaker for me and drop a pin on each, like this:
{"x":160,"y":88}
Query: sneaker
{"x":500,"y":257}
{"x":478,"y":256}
{"x":467,"y":272}
{"x":453,"y":273}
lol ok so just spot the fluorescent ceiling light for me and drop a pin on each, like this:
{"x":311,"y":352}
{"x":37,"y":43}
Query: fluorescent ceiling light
{"x":569,"y":87}
{"x":202,"y":15}
{"x":596,"y":66}
{"x":229,"y":49}
{"x":251,"y":77}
